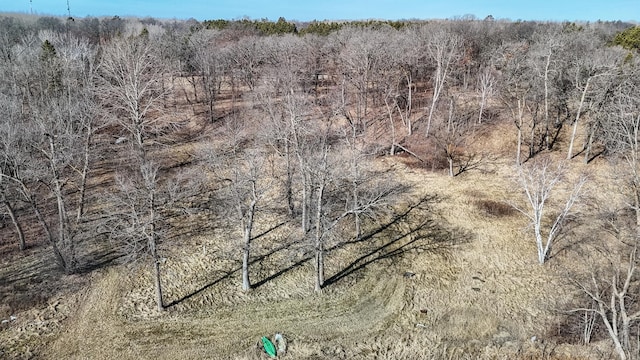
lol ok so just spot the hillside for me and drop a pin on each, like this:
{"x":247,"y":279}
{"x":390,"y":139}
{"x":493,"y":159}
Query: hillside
{"x":487,"y":298}
{"x":174,"y":191}
{"x":484,"y":296}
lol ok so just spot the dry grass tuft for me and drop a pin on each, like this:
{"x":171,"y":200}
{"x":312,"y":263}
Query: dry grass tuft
{"x":494,"y":208}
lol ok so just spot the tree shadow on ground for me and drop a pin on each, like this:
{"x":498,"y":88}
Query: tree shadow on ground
{"x":231,"y":272}
{"x":416,"y":227}
{"x":31,"y":277}
{"x":227,"y":275}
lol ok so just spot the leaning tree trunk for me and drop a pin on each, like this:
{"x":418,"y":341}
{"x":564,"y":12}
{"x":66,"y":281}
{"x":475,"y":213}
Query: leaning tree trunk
{"x":589,"y":143}
{"x":409,"y":102}
{"x":14,"y":219}
{"x":63,"y":224}
{"x":56,"y":251}
{"x":575,"y":123}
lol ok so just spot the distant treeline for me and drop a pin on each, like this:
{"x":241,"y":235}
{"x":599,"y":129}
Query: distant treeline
{"x":102,"y":29}
{"x":282,"y":26}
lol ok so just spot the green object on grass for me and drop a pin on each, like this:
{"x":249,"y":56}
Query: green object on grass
{"x":268,"y":347}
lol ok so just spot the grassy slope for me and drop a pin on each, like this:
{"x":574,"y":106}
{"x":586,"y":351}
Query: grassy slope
{"x":485,"y":298}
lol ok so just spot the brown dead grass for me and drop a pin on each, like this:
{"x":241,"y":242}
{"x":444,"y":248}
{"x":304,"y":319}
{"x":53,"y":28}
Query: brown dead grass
{"x":484,"y":299}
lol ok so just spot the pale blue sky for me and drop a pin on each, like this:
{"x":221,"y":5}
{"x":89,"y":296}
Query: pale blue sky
{"x":558,"y":10}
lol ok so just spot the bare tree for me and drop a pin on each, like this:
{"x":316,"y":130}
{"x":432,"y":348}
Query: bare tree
{"x":304,"y":141}
{"x":546,"y":52}
{"x":247,"y":56}
{"x":208,"y":65}
{"x":239,"y":167}
{"x":589,"y":69}
{"x":443,"y":50}
{"x":278,"y":134}
{"x":622,"y":132}
{"x":134,"y":220}
{"x":455,"y":137}
{"x":282,"y":99}
{"x":408,"y":50}
{"x":322,"y":178}
{"x":345,"y":193}
{"x":131,"y":85}
{"x":10,"y":152}
{"x":132,"y":77}
{"x":361,"y":58}
{"x":486,"y":82}
{"x":538,"y":179}
{"x":610,"y":286}
{"x":7,"y":202}
{"x":46,"y":144}
{"x":516,"y":90}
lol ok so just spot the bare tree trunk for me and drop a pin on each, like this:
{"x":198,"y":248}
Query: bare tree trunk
{"x":521,"y":106}
{"x":575,"y":123}
{"x":547,"y":134}
{"x":156,"y":276}
{"x":588,"y":145}
{"x":436,"y":94}
{"x":212,"y":106}
{"x":443,"y":50}
{"x":248,"y":226}
{"x":63,"y":236}
{"x":304,"y":206}
{"x":194,"y":85}
{"x":532,"y":135}
{"x":56,"y":251}
{"x":538,"y":179}
{"x":356,"y":204}
{"x":289,"y":181}
{"x":63,"y":223}
{"x":318,"y":241}
{"x":483,"y":100}
{"x":486,"y":86}
{"x":246,"y":284}
{"x":21,"y":241}
{"x":636,"y":200}
{"x":306,"y":181}
{"x":153,"y":248}
{"x":409,"y":102}
{"x":84,"y":173}
{"x":613,"y":333}
{"x":392,"y":150}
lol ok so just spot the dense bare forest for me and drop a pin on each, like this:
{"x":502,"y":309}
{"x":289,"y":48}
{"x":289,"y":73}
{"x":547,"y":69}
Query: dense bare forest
{"x":307,"y":163}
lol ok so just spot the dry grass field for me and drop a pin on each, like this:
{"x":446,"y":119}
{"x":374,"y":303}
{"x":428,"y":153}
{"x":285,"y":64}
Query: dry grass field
{"x":466,"y":286}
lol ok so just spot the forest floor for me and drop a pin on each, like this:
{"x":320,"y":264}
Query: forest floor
{"x":469,"y":286}
{"x":486,"y":297}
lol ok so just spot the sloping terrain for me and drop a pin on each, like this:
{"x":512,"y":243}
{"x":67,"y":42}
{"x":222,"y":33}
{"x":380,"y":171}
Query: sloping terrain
{"x":482,"y":297}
